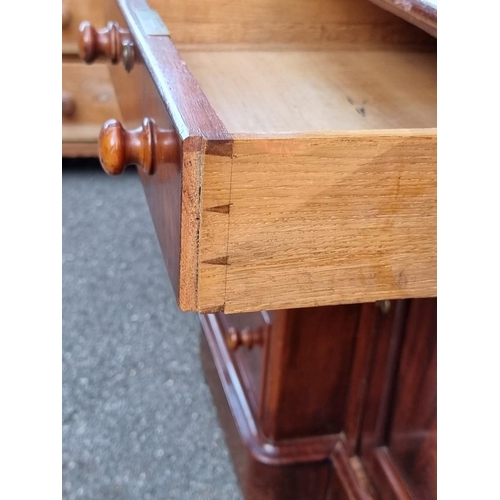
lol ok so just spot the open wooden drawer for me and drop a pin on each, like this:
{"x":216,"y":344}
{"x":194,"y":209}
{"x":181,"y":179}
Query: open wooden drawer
{"x":303,"y":172}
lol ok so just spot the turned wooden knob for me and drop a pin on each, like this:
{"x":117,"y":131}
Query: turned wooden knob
{"x":68,"y":105}
{"x":145,"y":147}
{"x":246,"y":337}
{"x":66,"y":16}
{"x":107,"y":42}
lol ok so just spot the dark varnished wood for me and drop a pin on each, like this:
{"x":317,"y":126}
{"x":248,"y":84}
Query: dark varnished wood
{"x":353,"y":386}
{"x":348,"y":480}
{"x":249,"y":362}
{"x":413,"y":428}
{"x":386,"y":334}
{"x":265,"y":450}
{"x":398,"y":438}
{"x":421,"y":13}
{"x":313,"y":467}
{"x":107,"y":42}
{"x":309,"y":365}
{"x":265,"y":471}
{"x":145,"y":147}
{"x":385,"y":476}
{"x":360,"y":374}
{"x":246,"y":337}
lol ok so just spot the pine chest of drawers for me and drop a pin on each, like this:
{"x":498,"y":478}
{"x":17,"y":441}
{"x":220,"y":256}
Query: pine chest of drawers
{"x":88,"y":97}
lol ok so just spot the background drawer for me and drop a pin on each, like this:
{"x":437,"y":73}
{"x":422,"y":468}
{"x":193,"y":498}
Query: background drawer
{"x":246,"y":335}
{"x":74,"y":12}
{"x":94,"y":100}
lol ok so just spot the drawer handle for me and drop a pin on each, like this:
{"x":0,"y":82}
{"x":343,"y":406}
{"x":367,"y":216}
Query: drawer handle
{"x":246,"y":337}
{"x":68,"y":105}
{"x":66,"y":16}
{"x":145,"y":147}
{"x":109,"y":42}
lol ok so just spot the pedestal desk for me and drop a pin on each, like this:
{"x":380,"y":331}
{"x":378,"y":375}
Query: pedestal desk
{"x":287,"y":151}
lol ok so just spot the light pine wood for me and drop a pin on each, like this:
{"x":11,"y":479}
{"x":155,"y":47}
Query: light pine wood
{"x":95,"y":101}
{"x":216,"y":196}
{"x":79,"y":149}
{"x":282,"y":21}
{"x":276,"y":92}
{"x":80,"y":132}
{"x":366,"y":145}
{"x":341,"y":218}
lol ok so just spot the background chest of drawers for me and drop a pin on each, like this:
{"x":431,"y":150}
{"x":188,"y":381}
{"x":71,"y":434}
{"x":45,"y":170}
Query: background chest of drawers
{"x":88,"y":97}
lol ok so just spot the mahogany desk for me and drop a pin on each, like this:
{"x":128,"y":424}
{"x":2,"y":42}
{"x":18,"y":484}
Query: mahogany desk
{"x":288,"y":156}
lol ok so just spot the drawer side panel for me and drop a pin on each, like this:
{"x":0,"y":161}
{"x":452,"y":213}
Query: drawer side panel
{"x":330,"y":220}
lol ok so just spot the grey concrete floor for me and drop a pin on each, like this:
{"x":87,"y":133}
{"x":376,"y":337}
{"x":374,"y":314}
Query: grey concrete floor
{"x":138,"y":417}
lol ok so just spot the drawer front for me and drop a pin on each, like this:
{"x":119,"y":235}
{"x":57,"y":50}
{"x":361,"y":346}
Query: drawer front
{"x":246,"y":337}
{"x":74,"y":12}
{"x":93,"y":101}
{"x":161,"y":88}
{"x":138,"y":99}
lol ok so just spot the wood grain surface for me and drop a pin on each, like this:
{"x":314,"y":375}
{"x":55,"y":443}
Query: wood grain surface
{"x":282,"y":21}
{"x":268,"y":92}
{"x":79,"y":150}
{"x":275,"y":168}
{"x":398,"y":432}
{"x":308,"y":363}
{"x":94,"y":98}
{"x":413,"y":434}
{"x":292,"y":470}
{"x":340,"y":218}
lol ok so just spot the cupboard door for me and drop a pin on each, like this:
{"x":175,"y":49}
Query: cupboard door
{"x":398,"y":440}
